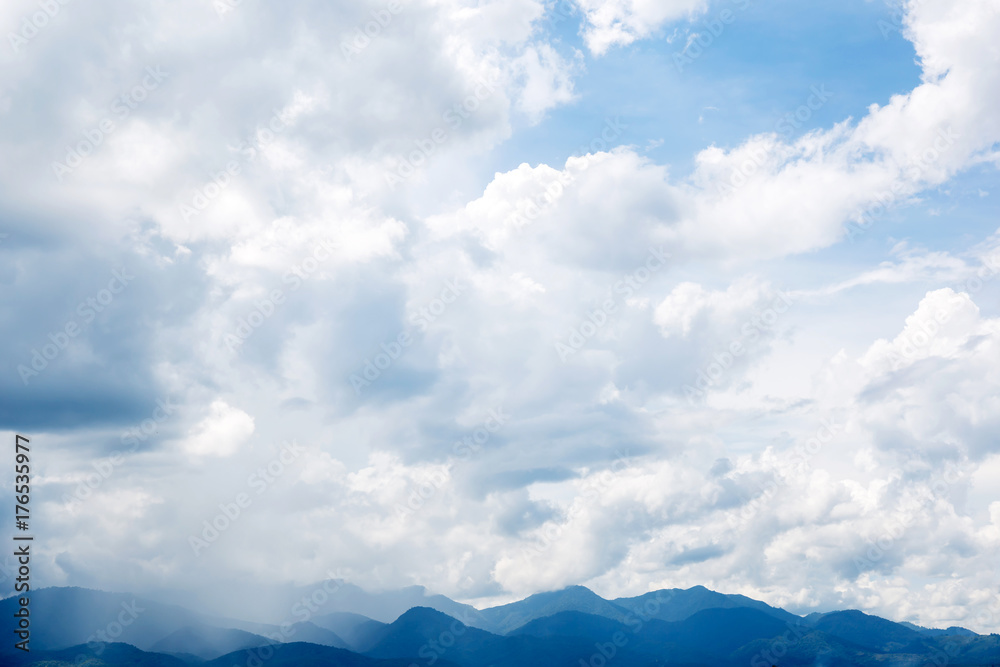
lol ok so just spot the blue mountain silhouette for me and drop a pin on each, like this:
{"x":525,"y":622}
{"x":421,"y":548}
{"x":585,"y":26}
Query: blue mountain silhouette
{"x":573,"y":627}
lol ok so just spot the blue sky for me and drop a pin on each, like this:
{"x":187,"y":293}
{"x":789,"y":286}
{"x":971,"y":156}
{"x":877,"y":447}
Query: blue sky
{"x":641,"y":338}
{"x":759,"y":69}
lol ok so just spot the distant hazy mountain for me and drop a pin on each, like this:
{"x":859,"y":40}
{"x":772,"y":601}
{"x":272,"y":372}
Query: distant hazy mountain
{"x":360,"y":632}
{"x":206,"y":642}
{"x":667,"y":605}
{"x":676,"y":604}
{"x":278,"y":604}
{"x":952,"y":631}
{"x":314,"y":634}
{"x":384,"y":606}
{"x":511,"y":616}
{"x":63,"y":617}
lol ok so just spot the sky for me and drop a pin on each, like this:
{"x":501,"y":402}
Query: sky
{"x":502,"y":296}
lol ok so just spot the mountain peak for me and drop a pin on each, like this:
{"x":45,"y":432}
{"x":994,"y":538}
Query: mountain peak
{"x":422,"y":613}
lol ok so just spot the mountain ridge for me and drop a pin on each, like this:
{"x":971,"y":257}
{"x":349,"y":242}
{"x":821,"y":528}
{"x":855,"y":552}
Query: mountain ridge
{"x":695,"y":626}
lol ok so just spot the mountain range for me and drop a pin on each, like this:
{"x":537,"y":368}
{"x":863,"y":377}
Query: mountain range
{"x":573,"y":627}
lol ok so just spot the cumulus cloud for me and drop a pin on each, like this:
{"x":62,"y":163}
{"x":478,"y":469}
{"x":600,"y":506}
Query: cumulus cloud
{"x":548,"y":81}
{"x":220,"y":433}
{"x":621,"y":22}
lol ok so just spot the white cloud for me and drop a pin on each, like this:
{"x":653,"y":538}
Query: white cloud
{"x":621,"y":22}
{"x":676,"y":314}
{"x":221,"y":433}
{"x":548,"y":81}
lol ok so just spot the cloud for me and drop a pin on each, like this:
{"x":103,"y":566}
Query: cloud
{"x":621,"y":22}
{"x":946,"y":339}
{"x":221,"y":433}
{"x":687,"y":302}
{"x":299,"y":243}
{"x":548,"y":81}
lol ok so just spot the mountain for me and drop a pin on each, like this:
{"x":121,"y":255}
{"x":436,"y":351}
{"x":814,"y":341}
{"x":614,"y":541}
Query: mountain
{"x":207,"y":642}
{"x":314,"y":634}
{"x":299,"y":654}
{"x":676,"y":604}
{"x":432,"y":636}
{"x":738,"y":637}
{"x":508,"y":617}
{"x":807,"y":647}
{"x":63,"y":617}
{"x":666,"y":605}
{"x":651,"y":641}
{"x":953,"y":631}
{"x":722,"y":631}
{"x":707,"y":637}
{"x":871,"y":632}
{"x":412,"y":633}
{"x":557,"y":629}
{"x":277,"y":604}
{"x":570,"y":624}
{"x":111,"y":655}
{"x":978,"y":650}
{"x":359,"y":632}
{"x":383,"y":606}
